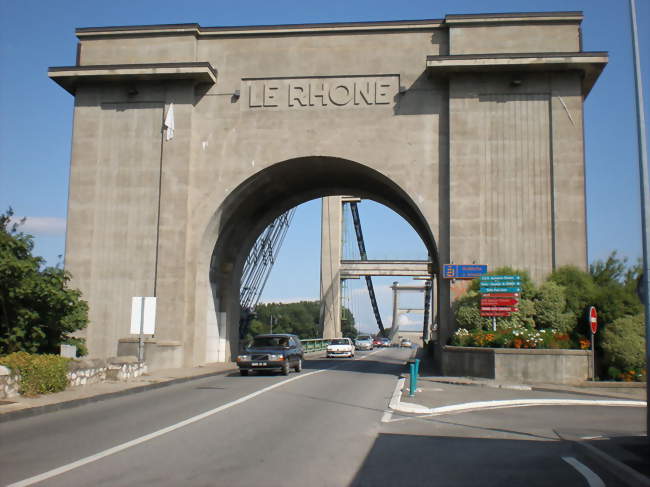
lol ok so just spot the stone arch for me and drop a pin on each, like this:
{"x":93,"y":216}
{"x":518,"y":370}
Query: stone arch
{"x":252,"y":206}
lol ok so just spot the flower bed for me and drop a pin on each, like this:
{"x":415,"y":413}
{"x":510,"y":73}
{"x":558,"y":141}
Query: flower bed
{"x":516,"y":337}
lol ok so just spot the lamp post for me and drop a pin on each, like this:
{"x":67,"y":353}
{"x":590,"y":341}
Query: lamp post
{"x":645,"y":191}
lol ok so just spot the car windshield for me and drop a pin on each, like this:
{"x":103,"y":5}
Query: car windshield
{"x":270,"y":341}
{"x":339,"y":341}
{"x":363,"y":338}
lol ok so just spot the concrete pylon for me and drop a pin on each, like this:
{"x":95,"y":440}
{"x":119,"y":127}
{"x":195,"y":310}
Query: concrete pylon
{"x":330,"y":266}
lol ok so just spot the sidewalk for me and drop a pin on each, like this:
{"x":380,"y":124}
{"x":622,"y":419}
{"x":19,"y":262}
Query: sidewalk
{"x":626,"y":457}
{"x":18,"y":407}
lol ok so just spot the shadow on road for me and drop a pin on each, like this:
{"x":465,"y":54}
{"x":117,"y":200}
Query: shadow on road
{"x":413,"y":460}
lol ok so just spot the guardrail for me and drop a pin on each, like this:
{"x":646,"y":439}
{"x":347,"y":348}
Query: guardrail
{"x":315,"y":344}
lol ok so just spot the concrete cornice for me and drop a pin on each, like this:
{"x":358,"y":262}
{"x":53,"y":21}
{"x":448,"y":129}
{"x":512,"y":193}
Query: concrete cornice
{"x":198,"y":31}
{"x":591,"y":64}
{"x":381,"y":26}
{"x":68,"y":77}
{"x":518,"y":17}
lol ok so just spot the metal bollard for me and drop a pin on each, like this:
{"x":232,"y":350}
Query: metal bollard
{"x":413,"y":382}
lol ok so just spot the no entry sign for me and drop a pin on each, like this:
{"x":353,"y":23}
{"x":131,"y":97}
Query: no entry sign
{"x":593,"y":319}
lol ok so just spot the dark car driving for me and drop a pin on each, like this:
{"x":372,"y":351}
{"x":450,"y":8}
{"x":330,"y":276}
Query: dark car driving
{"x":279,"y":351}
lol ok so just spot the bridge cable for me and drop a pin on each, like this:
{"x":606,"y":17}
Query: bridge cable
{"x":362,"y":250}
{"x":258,"y":265}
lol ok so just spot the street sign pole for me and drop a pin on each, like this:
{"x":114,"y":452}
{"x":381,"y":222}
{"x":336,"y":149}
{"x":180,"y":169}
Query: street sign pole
{"x":592,"y":318}
{"x":494,"y":323}
{"x":645,"y":192}
{"x":141,"y":338}
{"x":593,"y":359}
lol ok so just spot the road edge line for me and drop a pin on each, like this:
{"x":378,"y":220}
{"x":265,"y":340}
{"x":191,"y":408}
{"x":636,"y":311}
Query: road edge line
{"x":142,"y":439}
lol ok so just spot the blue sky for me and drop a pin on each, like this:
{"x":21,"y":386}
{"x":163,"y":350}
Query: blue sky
{"x":36,"y":117}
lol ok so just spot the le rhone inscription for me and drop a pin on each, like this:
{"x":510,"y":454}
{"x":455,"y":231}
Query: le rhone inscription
{"x":305,"y":93}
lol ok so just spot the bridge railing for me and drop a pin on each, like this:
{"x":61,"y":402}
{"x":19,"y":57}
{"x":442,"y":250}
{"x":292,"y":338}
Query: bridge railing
{"x":315,"y":344}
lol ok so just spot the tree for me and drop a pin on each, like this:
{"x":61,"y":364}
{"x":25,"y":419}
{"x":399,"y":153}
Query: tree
{"x":38,"y":311}
{"x":550,"y":305}
{"x":301,"y":318}
{"x":623,"y":344}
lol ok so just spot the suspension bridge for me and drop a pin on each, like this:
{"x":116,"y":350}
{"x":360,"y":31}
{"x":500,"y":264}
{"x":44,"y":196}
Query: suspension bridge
{"x":353,"y":264}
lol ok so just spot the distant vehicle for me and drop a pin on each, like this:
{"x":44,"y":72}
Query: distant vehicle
{"x":363,"y":342}
{"x":340,"y":347}
{"x":376,"y":342}
{"x":280,"y":351}
{"x":385,"y":342}
{"x":406,"y":343}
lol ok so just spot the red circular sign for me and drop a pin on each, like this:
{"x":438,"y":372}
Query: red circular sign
{"x":593,"y":320}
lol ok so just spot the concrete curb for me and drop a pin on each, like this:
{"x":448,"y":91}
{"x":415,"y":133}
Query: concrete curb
{"x":47,"y":408}
{"x":618,"y":469}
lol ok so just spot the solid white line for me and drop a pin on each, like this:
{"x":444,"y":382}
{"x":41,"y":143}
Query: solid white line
{"x":151,"y":436}
{"x":397,"y":394}
{"x":513,"y":403}
{"x":592,"y":479}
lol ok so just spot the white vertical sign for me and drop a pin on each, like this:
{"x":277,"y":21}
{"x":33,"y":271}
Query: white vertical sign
{"x":143,"y":310}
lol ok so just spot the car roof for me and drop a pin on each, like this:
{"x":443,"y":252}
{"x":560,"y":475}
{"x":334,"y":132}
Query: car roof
{"x":276,"y":335}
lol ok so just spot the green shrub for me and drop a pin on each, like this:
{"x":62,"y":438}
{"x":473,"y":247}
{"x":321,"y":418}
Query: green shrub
{"x":550,"y":303}
{"x":39,"y":374}
{"x":623,"y":343}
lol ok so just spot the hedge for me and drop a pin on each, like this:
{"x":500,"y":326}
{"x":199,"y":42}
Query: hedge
{"x":39,"y":374}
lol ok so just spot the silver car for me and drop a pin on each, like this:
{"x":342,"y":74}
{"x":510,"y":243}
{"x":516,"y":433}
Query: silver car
{"x":363,"y":342}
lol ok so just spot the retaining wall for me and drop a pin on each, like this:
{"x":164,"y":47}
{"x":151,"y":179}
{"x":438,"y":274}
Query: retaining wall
{"x":80,"y":373}
{"x":515,"y":365}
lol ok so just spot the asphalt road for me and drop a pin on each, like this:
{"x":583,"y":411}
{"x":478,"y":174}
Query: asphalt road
{"x":325,"y":426}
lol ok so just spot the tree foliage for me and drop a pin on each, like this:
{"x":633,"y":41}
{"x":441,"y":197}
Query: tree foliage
{"x":624,"y":345}
{"x":561,"y":303}
{"x":301,"y":318}
{"x":38,"y":311}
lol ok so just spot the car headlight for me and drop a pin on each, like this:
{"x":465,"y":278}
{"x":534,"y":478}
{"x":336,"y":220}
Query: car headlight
{"x":276,"y":356}
{"x":243,"y":358}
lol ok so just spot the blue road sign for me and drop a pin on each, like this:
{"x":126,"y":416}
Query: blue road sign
{"x":500,"y":289}
{"x":463,"y":271}
{"x":500,"y":278}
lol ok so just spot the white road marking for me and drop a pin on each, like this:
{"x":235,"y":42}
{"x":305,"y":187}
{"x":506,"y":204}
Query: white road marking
{"x":592,"y":479}
{"x":407,"y":407}
{"x":388,"y":415}
{"x":371,"y":353}
{"x":397,"y":395}
{"x":116,"y":449}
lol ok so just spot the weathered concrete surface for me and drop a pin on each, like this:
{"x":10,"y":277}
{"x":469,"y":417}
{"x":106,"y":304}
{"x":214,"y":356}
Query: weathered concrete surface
{"x":520,"y":366}
{"x":469,"y":159}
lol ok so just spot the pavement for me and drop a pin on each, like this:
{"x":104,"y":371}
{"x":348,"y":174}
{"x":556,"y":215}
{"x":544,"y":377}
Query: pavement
{"x":627,"y":457}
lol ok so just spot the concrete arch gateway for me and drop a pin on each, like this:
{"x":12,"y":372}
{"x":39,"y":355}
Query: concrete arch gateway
{"x":188,"y":141}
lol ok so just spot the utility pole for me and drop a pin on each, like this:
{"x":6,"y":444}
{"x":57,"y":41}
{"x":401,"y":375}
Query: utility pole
{"x":645,"y":192}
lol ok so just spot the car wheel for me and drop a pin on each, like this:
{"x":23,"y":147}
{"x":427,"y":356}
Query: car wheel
{"x":298,"y":367}
{"x":243,"y":372}
{"x":285,"y":368}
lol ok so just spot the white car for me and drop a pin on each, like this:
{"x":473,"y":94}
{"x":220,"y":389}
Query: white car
{"x":340,"y":347}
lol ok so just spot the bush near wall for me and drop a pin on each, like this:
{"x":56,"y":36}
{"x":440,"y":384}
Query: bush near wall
{"x":553,"y":315}
{"x":39,"y":374}
{"x":623,"y":346}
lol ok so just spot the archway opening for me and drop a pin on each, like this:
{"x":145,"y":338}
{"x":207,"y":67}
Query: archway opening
{"x":253,"y":205}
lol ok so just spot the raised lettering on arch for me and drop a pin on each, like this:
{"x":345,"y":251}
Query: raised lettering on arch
{"x":320,"y":93}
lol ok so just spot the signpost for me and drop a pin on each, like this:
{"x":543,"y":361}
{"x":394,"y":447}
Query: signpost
{"x":592,"y":316}
{"x":499,"y":296}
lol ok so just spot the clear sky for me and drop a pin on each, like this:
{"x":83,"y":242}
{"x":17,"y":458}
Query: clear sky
{"x":36,"y":117}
